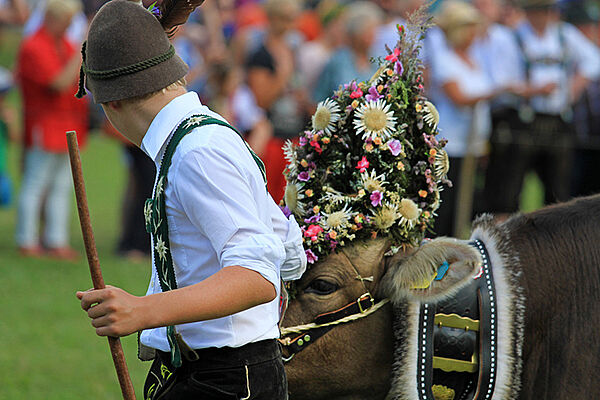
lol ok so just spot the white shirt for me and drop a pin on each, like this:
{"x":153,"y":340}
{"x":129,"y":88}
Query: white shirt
{"x":455,"y":121}
{"x":219,"y":214}
{"x":499,"y":54}
{"x":582,"y":57}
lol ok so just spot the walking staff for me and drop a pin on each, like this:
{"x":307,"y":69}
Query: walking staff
{"x":116,"y":349}
{"x":220,"y":244}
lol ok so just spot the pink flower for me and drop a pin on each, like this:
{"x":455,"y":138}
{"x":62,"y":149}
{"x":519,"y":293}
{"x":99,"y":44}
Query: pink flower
{"x":313,"y":231}
{"x":358,"y":93}
{"x":303,"y":176}
{"x":376,"y":197}
{"x":310,"y":256}
{"x":363,"y":164}
{"x":394,"y":56}
{"x":316,"y":145}
{"x":398,"y":68}
{"x":373,"y":94}
{"x":303,"y":141}
{"x":395,"y":147}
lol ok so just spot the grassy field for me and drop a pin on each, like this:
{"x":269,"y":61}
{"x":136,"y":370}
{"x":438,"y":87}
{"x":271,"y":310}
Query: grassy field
{"x":50,"y":350}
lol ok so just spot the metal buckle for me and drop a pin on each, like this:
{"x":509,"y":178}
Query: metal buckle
{"x":366,"y":295}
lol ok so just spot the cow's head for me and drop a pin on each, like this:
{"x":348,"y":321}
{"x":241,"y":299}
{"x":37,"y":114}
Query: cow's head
{"x":354,"y":360}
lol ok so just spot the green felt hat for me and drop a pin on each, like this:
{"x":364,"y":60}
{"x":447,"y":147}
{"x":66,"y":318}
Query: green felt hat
{"x":127,"y":54}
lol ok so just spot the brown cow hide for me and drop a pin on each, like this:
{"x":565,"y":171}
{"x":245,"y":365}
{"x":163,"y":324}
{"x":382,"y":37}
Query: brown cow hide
{"x":510,"y":307}
{"x":546,"y":267}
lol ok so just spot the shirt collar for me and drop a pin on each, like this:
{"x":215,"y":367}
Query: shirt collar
{"x":166,"y":121}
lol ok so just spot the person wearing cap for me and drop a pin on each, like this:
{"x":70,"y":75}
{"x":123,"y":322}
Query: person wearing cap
{"x":557,"y":62}
{"x":46,"y":71}
{"x":220,"y":244}
{"x":461,"y":91}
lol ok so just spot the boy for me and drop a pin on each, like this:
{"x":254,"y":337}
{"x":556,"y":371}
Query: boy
{"x":217,"y":266}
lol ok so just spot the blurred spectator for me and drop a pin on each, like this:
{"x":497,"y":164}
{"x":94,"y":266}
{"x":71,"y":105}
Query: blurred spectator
{"x":271,"y":73}
{"x":557,"y":64}
{"x":461,"y":99}
{"x":76,"y":31}
{"x":134,"y":242}
{"x":585,"y":15}
{"x":7,"y":133}
{"x":47,"y":71}
{"x":396,"y":13}
{"x":351,"y":62}
{"x":13,"y":12}
{"x":236,"y":102}
{"x":314,"y":55}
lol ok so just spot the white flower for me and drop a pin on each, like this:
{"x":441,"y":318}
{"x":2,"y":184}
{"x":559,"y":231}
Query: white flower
{"x":327,"y":114}
{"x":161,"y":248}
{"x":432,"y":116}
{"x":409,"y":212}
{"x":289,"y":151}
{"x":372,"y":182}
{"x":374,"y":118}
{"x":441,"y":164}
{"x":337,"y":219}
{"x":293,"y":193}
{"x":385,"y":216}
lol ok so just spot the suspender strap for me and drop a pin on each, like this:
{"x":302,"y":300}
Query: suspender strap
{"x":155,"y":216}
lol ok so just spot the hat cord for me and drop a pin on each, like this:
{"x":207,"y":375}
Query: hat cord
{"x":114,"y":73}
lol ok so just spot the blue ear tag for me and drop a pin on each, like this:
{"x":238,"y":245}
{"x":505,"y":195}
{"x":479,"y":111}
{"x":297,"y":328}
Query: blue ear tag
{"x":442,"y":271}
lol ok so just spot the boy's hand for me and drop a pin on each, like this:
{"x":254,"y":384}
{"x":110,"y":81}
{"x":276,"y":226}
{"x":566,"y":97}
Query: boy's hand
{"x":113,"y":311}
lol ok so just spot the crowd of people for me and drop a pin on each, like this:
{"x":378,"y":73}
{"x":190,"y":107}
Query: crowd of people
{"x":516,"y":86}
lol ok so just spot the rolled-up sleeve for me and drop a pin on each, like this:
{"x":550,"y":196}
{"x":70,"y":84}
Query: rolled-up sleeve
{"x":217,"y":197}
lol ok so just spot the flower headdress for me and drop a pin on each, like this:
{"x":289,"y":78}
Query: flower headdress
{"x":370,"y":163}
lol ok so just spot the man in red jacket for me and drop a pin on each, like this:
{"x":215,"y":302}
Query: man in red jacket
{"x":47,"y":71}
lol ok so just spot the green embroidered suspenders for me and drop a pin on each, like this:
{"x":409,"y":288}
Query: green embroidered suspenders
{"x":155,"y":215}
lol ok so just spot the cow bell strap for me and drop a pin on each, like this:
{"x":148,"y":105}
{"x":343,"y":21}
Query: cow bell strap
{"x":155,"y":216}
{"x":457,"y":348}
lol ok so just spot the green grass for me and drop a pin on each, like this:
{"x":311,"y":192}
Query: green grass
{"x":50,"y":350}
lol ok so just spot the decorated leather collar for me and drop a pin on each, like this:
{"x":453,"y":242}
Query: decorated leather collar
{"x":457,"y":351}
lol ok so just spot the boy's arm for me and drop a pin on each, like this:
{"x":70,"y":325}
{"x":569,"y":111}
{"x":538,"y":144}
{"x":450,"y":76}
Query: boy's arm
{"x":115,"y":312}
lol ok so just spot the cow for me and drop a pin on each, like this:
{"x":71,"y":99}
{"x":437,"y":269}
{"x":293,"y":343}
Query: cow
{"x":546,"y":268}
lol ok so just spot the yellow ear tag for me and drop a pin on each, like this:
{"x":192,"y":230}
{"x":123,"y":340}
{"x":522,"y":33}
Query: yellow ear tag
{"x":425,"y":283}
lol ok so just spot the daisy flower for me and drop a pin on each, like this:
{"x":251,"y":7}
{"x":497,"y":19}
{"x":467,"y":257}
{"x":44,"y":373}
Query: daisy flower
{"x":441,"y":164}
{"x":374,"y":118}
{"x":385,"y":216}
{"x":291,"y":157}
{"x":337,"y":219}
{"x":292,"y":196}
{"x":409,"y":212}
{"x":327,"y":114}
{"x":372,"y":181}
{"x":432,"y":117}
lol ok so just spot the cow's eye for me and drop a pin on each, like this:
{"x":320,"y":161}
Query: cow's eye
{"x":322,"y":287}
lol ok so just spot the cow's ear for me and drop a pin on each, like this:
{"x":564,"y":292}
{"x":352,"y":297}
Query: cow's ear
{"x":438,"y":269}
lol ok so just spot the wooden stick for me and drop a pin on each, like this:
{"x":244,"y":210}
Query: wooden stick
{"x":92,"y":255}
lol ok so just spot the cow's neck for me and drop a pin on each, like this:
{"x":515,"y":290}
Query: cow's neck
{"x":490,"y":375}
